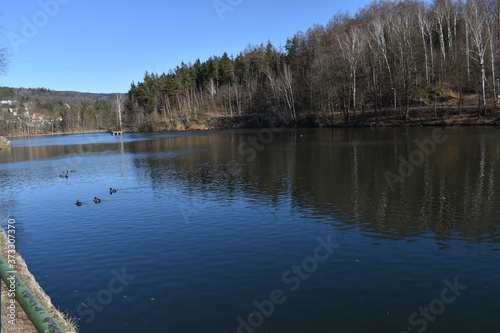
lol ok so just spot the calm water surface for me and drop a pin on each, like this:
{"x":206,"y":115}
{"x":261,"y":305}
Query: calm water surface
{"x":306,"y":230}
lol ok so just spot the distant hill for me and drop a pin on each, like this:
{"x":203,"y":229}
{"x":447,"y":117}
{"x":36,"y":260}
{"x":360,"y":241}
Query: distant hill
{"x":86,"y":95}
{"x":28,"y":110}
{"x":46,"y":95}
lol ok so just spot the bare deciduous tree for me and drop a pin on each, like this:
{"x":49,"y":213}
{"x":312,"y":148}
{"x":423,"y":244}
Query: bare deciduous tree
{"x":475,"y":15}
{"x":403,"y":29}
{"x":287,"y":91}
{"x":425,"y":23}
{"x":119,"y":105}
{"x":352,"y":47}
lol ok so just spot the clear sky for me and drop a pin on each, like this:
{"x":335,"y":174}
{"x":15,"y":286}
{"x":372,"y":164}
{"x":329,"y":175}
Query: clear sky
{"x":102,"y":46}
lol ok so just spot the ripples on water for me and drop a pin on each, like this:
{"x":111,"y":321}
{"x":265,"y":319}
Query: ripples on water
{"x":205,"y":231}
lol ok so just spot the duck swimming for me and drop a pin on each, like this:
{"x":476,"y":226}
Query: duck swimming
{"x":112,"y":190}
{"x":97,"y":200}
{"x":78,"y":203}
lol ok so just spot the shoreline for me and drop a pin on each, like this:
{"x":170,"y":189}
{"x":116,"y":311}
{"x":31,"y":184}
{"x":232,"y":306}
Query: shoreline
{"x":32,"y":136}
{"x":443,"y":116}
{"x":22,"y":324}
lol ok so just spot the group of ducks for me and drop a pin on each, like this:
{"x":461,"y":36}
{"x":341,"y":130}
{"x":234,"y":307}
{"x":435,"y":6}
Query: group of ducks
{"x":65,"y":173}
{"x":96,"y":199}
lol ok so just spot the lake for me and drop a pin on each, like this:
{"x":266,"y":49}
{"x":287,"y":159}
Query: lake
{"x":263,"y":230}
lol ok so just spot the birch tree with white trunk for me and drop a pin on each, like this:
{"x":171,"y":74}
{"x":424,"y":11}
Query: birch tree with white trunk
{"x":119,"y":105}
{"x":475,"y":16}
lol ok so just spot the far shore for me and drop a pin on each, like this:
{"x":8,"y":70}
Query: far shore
{"x":30,"y":136}
{"x":419,"y":116}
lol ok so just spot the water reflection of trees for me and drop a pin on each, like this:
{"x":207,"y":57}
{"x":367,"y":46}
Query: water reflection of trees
{"x":333,"y":175}
{"x":338,"y":176}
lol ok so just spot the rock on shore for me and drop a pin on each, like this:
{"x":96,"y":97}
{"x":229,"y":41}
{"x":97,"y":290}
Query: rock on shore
{"x":4,"y":142}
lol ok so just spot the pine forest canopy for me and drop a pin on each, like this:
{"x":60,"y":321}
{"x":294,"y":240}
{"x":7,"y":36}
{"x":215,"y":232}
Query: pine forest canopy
{"x":390,"y":53}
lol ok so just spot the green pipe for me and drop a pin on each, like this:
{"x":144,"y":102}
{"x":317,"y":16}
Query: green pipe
{"x":39,"y":316}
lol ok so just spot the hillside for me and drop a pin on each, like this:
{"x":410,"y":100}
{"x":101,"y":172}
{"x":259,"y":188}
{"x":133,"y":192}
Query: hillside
{"x":40,"y":110}
{"x":43,"y":94}
{"x":390,"y":55}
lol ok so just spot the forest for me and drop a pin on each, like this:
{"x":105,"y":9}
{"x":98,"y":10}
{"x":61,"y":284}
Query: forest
{"x":40,"y":110}
{"x":408,"y":57}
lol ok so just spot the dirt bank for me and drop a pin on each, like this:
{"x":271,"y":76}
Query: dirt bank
{"x":387,"y":117}
{"x":418,"y":116}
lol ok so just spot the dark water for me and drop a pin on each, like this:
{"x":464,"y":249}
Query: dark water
{"x":307,"y":230}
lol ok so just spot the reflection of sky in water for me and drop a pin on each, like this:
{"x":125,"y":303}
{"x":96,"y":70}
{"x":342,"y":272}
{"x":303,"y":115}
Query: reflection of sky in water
{"x":78,"y":139}
{"x":98,"y":138}
{"x":98,"y":159}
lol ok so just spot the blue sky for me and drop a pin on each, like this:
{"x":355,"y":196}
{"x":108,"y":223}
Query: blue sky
{"x":102,"y":46}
